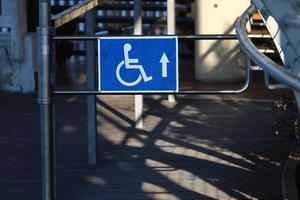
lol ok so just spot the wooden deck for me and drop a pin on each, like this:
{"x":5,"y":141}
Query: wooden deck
{"x":192,"y":150}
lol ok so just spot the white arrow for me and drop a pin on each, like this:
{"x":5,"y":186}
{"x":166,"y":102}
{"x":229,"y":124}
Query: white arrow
{"x":164,"y":65}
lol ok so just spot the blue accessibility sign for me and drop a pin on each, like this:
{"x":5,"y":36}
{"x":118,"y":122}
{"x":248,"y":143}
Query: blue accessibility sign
{"x":138,"y":64}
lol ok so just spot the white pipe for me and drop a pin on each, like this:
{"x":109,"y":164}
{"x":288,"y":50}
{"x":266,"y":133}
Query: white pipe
{"x":137,"y":17}
{"x":138,"y":99}
{"x":171,"y":17}
{"x":171,"y":27}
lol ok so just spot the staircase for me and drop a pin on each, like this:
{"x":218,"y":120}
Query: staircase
{"x":266,"y":46}
{"x":115,"y":18}
{"x":283,"y":23}
{"x":116,"y":15}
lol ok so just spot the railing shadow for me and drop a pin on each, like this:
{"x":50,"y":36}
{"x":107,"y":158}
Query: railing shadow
{"x":181,"y":154}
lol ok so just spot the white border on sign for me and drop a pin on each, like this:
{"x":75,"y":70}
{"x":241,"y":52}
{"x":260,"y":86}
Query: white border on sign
{"x":137,"y":37}
{"x":177,"y":66}
{"x":139,"y":91}
{"x":99,"y":66}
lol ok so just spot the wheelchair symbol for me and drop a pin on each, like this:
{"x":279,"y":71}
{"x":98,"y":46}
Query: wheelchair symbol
{"x":131,"y":64}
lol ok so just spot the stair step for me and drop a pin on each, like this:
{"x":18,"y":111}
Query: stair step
{"x":129,"y":20}
{"x":255,"y":68}
{"x":116,"y":6}
{"x":259,"y":36}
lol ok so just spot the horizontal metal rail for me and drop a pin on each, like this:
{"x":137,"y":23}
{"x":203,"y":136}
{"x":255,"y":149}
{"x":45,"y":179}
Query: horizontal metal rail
{"x":273,"y":69}
{"x":181,"y":92}
{"x":181,"y":37}
{"x":270,"y":86}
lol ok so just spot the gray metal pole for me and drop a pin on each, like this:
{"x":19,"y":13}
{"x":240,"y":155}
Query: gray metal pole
{"x":138,"y":99}
{"x":46,"y":102}
{"x":91,"y":99}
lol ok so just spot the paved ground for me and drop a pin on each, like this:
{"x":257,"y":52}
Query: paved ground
{"x":194,"y":149}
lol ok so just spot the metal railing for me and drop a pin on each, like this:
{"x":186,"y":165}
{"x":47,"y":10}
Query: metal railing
{"x":47,"y":91}
{"x":273,"y":69}
{"x":181,"y":37}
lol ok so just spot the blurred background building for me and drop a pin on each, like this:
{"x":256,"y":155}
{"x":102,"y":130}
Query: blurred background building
{"x":200,"y":61}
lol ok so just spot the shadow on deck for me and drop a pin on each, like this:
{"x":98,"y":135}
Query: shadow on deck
{"x":192,"y":149}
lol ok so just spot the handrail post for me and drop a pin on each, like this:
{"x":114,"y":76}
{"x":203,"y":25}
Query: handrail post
{"x":46,"y":102}
{"x":91,"y":99}
{"x":138,"y":99}
{"x":171,"y":28}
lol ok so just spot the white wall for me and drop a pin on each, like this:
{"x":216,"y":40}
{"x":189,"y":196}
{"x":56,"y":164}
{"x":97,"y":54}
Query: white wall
{"x":17,"y":49}
{"x":218,"y":61}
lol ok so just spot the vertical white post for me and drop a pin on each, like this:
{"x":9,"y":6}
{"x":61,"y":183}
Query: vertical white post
{"x":171,"y":17}
{"x":171,"y":21}
{"x":138,"y":99}
{"x":137,"y":17}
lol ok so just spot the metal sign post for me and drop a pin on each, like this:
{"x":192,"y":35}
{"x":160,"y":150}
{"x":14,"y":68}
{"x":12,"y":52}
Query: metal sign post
{"x":138,"y":30}
{"x":91,"y":99}
{"x":171,"y":28}
{"x":46,"y":102}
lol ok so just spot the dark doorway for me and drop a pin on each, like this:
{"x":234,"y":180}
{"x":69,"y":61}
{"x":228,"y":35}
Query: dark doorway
{"x":32,"y":15}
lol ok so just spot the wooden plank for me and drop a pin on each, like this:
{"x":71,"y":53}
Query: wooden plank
{"x":74,"y":12}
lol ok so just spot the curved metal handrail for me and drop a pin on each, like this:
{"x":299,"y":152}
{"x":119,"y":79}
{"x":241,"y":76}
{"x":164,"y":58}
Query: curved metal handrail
{"x":273,"y":69}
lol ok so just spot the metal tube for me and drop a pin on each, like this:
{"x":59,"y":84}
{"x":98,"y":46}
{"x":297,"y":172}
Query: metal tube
{"x":46,"y":102}
{"x":238,"y":91}
{"x":273,"y":69}
{"x":171,"y":19}
{"x":180,"y":37}
{"x":91,"y":99}
{"x":138,"y":18}
{"x":47,"y":150}
{"x":171,"y":27}
{"x":272,"y":86}
{"x":190,"y":92}
{"x":138,"y":99}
